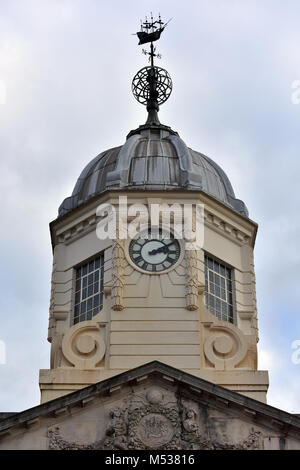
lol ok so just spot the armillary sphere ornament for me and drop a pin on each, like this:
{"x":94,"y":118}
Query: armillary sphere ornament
{"x":152,"y":85}
{"x":141,"y":85}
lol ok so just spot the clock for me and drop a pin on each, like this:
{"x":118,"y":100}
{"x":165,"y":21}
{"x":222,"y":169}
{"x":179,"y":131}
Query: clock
{"x":154,"y":251}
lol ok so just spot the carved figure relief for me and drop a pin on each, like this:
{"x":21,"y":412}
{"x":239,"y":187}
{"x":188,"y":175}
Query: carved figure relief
{"x":118,"y":429}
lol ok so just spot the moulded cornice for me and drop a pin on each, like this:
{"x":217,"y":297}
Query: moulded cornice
{"x":83,"y":219}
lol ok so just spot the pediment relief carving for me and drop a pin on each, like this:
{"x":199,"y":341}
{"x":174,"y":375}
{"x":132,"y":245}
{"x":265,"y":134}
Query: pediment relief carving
{"x":159,"y":419}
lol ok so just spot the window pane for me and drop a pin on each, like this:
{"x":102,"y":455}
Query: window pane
{"x":84,"y":270}
{"x":89,"y":315}
{"x":91,"y":266}
{"x":78,"y":273}
{"x":217,"y":267}
{"x":96,"y":300}
{"x":90,"y":303}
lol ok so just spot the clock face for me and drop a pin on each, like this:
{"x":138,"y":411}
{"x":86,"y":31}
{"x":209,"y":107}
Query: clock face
{"x":154,"y":251}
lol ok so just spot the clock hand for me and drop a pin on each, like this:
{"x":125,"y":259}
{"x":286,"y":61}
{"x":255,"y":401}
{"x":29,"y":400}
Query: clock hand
{"x":162,"y":249}
{"x":158,"y":250}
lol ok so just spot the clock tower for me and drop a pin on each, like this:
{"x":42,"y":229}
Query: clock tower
{"x":151,"y":292}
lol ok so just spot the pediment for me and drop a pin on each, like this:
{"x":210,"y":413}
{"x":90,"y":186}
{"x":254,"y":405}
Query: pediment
{"x":151,"y":407}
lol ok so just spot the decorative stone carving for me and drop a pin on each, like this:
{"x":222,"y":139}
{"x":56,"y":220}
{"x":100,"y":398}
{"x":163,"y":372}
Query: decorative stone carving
{"x":83,"y":345}
{"x":118,"y":429}
{"x":192,"y":283}
{"x":118,"y":257}
{"x":225,"y":346}
{"x":155,"y":430}
{"x":189,"y":423}
{"x":56,"y":442}
{"x":154,"y":426}
{"x":152,"y":421}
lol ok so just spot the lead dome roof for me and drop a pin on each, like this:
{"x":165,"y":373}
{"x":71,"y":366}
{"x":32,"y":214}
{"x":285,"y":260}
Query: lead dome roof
{"x":153,"y":158}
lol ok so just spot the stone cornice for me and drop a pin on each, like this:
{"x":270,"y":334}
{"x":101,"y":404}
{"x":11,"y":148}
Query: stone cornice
{"x":218,"y":215}
{"x":220,"y":225}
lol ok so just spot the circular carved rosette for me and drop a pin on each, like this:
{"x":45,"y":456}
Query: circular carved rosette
{"x":83,"y":345}
{"x":225,"y":347}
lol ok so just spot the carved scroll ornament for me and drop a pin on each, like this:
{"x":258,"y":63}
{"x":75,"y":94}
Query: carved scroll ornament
{"x":83,"y":345}
{"x":225,"y":346}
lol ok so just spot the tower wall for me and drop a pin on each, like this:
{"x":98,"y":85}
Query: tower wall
{"x":149,"y":317}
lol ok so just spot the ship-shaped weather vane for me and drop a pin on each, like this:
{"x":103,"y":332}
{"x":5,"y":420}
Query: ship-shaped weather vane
{"x":152,"y":85}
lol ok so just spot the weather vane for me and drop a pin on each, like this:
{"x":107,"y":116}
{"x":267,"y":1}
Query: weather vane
{"x":152,"y":85}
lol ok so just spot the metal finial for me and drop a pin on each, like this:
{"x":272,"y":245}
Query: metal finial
{"x":152,"y":85}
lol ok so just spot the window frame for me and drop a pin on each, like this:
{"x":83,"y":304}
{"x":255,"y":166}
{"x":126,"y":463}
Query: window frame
{"x":74,"y":275}
{"x":233,"y":285}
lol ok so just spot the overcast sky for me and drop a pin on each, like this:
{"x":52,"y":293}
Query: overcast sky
{"x":65,"y":95}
